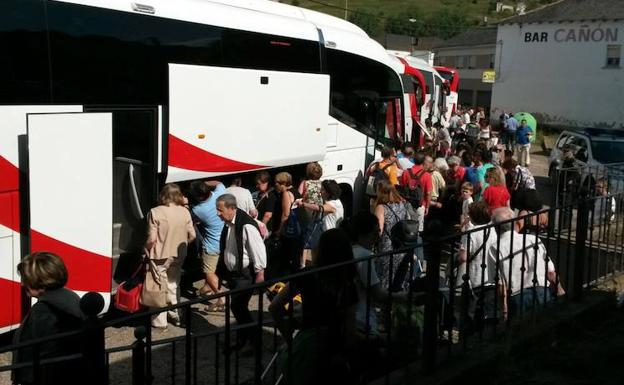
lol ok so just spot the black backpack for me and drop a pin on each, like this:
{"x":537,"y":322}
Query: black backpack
{"x":404,"y":232}
{"x":413,"y":191}
{"x":376,"y":176}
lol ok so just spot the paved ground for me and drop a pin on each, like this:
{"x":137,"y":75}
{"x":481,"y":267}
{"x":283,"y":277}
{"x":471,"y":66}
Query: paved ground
{"x":580,"y":354}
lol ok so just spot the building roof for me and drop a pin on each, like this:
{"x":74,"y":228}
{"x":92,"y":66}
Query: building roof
{"x":471,"y":37}
{"x":572,"y":10}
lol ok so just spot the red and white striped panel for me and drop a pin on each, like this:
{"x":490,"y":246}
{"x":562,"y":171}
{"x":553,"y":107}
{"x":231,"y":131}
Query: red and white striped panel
{"x":216,"y":129}
{"x":10,"y":308}
{"x":71,"y":205}
{"x":12,"y":125}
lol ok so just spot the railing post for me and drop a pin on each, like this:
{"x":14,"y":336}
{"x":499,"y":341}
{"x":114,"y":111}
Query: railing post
{"x":582,"y":224}
{"x":432,"y":306}
{"x":93,"y":349}
{"x":138,"y":356}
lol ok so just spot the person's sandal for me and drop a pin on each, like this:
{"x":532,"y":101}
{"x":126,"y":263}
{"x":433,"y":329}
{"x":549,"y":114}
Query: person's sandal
{"x":205,"y":290}
{"x":217,"y":307}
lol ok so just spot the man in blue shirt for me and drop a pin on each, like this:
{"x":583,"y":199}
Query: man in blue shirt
{"x":509,"y":132}
{"x":523,"y":140}
{"x":210,"y":227}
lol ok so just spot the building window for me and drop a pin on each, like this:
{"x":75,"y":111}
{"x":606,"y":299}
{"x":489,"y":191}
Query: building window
{"x":461,"y":61}
{"x":471,"y":61}
{"x":613,"y":56}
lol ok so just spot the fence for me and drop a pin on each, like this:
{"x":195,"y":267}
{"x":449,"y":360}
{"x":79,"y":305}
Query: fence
{"x":469,"y":293}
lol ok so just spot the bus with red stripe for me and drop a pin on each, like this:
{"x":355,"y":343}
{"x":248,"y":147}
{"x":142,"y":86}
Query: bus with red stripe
{"x":102,"y":102}
{"x":451,"y":77}
{"x":426,"y":95}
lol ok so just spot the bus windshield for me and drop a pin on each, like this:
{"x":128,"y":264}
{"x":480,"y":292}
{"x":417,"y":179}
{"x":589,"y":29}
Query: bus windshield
{"x":359,"y":98}
{"x":447,"y":75}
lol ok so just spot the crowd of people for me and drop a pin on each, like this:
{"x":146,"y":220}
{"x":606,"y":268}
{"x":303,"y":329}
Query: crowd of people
{"x":461,"y":181}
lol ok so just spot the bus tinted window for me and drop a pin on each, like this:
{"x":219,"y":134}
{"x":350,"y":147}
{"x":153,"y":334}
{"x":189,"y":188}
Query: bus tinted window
{"x":359,"y":89}
{"x":446,"y":76}
{"x":428,"y":81}
{"x":106,"y":56}
{"x":24,"y":60}
{"x":254,"y":50}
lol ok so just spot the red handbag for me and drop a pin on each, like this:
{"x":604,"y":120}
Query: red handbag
{"x":129,"y":292}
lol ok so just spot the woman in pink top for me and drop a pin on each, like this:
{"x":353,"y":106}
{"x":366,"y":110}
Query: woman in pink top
{"x":169,"y":230}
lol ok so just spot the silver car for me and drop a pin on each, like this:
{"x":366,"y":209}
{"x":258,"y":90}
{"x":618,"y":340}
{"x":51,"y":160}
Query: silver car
{"x":597,"y":152}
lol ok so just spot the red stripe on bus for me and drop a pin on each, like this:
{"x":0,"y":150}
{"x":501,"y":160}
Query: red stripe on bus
{"x":9,"y":210}
{"x":184,"y":155}
{"x":11,"y":293}
{"x":87,"y":271}
{"x":10,"y":176}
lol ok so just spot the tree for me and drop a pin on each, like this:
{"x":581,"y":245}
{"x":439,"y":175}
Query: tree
{"x":368,"y":22}
{"x":408,"y":22}
{"x":445,"y":23}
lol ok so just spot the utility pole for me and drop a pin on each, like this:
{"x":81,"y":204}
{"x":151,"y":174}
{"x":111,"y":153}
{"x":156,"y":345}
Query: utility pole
{"x":346,"y":9}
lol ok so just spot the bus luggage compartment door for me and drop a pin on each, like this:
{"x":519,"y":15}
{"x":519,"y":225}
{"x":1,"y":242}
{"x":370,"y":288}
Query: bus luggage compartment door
{"x":229,"y":120}
{"x":70,"y":178}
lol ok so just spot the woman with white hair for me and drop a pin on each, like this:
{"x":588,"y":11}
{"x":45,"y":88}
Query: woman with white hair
{"x":436,"y":168}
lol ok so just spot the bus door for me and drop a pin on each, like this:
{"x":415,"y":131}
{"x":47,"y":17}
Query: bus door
{"x":13,"y":206}
{"x":70,"y":173}
{"x":135,"y":154}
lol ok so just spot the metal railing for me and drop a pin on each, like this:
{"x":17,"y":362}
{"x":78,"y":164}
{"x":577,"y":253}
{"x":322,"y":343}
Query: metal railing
{"x":438,"y":313}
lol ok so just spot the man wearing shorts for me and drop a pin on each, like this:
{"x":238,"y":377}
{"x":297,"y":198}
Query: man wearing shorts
{"x":210,"y":227}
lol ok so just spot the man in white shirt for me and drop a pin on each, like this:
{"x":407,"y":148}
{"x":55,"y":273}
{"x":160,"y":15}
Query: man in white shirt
{"x":455,"y":122}
{"x":467,"y":116}
{"x":242,"y":260}
{"x":523,"y":264}
{"x":244,"y":200}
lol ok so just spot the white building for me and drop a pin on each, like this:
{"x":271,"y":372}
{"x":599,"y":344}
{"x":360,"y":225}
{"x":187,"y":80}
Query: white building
{"x":563,"y":63}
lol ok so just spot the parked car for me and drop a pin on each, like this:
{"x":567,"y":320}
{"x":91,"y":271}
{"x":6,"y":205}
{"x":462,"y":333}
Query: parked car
{"x":597,"y":152}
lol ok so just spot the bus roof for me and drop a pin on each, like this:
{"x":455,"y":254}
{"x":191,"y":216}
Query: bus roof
{"x":415,"y":62}
{"x":260,"y":16}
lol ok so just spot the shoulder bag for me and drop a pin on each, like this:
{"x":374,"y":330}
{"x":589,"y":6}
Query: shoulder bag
{"x":129,"y":291}
{"x":154,"y":293}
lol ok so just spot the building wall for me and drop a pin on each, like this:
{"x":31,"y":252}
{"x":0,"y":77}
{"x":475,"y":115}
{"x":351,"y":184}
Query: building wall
{"x":474,"y":60}
{"x":559,"y":72}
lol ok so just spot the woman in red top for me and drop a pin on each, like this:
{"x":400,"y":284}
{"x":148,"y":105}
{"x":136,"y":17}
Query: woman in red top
{"x":496,"y":194}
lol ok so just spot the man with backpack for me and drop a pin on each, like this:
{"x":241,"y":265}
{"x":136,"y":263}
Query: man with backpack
{"x":386,"y":169}
{"x":388,"y":164}
{"x":416,"y":186}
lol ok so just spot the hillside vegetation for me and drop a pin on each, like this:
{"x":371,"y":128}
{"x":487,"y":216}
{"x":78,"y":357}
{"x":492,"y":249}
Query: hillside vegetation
{"x":442,"y":18}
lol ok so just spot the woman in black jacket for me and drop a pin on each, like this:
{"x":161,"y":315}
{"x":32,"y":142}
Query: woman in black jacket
{"x":57,"y":310}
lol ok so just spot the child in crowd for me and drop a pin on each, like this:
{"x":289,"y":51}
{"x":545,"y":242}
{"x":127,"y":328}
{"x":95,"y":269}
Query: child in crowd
{"x":466,"y":198}
{"x":496,"y":194}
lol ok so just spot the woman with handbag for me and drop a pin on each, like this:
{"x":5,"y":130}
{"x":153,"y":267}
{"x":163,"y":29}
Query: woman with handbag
{"x":329,"y":213}
{"x":170,"y":229}
{"x":288,"y":229}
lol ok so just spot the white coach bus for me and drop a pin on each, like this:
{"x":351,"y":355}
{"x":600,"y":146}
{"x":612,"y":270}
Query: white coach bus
{"x":104,"y":101}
